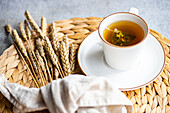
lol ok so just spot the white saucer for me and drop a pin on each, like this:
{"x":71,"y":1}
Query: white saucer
{"x":151,"y":64}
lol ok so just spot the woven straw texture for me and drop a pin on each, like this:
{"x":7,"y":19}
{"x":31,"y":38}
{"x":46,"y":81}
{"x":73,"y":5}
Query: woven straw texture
{"x":153,"y":98}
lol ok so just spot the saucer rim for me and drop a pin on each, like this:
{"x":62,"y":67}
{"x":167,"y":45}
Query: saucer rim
{"x":132,"y":88}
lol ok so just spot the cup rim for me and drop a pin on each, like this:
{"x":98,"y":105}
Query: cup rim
{"x":123,"y":46}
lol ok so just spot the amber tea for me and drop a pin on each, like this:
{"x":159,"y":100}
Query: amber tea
{"x":123,"y":33}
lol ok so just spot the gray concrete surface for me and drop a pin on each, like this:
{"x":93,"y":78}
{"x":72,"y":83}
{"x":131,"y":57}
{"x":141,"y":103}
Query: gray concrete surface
{"x":155,"y":12}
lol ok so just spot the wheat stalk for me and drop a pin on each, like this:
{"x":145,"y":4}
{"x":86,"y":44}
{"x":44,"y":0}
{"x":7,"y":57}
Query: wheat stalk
{"x":50,"y":65}
{"x":44,"y":25}
{"x":44,"y":31}
{"x":26,"y":33}
{"x":42,"y":64}
{"x":22,"y":48}
{"x":40,"y":70}
{"x":64,"y":53}
{"x":42,"y":54}
{"x":34,"y":60}
{"x":28,"y":39}
{"x":9,"y":30}
{"x":33,"y":24}
{"x":72,"y":57}
{"x":37,"y":67}
{"x":53,"y":56}
{"x":29,"y":69}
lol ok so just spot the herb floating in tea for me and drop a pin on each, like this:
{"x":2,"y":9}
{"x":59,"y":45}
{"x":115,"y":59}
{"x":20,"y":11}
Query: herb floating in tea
{"x":121,"y":39}
{"x":123,"y":33}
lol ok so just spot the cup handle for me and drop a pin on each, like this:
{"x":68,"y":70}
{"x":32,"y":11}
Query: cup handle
{"x":134,"y":11}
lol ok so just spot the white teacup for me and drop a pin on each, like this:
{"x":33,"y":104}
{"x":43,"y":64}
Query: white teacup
{"x":126,"y":57}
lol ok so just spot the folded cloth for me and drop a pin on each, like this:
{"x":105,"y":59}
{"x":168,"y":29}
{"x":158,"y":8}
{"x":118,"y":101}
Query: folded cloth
{"x":73,"y":94}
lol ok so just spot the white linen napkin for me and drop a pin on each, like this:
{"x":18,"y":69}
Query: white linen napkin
{"x":73,"y":94}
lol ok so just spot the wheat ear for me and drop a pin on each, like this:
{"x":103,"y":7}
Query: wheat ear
{"x":44,"y":25}
{"x":19,"y":42}
{"x":21,"y":27}
{"x":53,"y":30}
{"x":55,"y":42}
{"x":33,"y":24}
{"x":27,"y":30}
{"x":53,"y":56}
{"x":65,"y":40}
{"x":72,"y":57}
{"x":64,"y":53}
{"x":9,"y":29}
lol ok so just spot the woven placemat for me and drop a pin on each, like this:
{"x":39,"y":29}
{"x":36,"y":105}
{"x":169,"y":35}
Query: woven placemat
{"x":153,"y":98}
